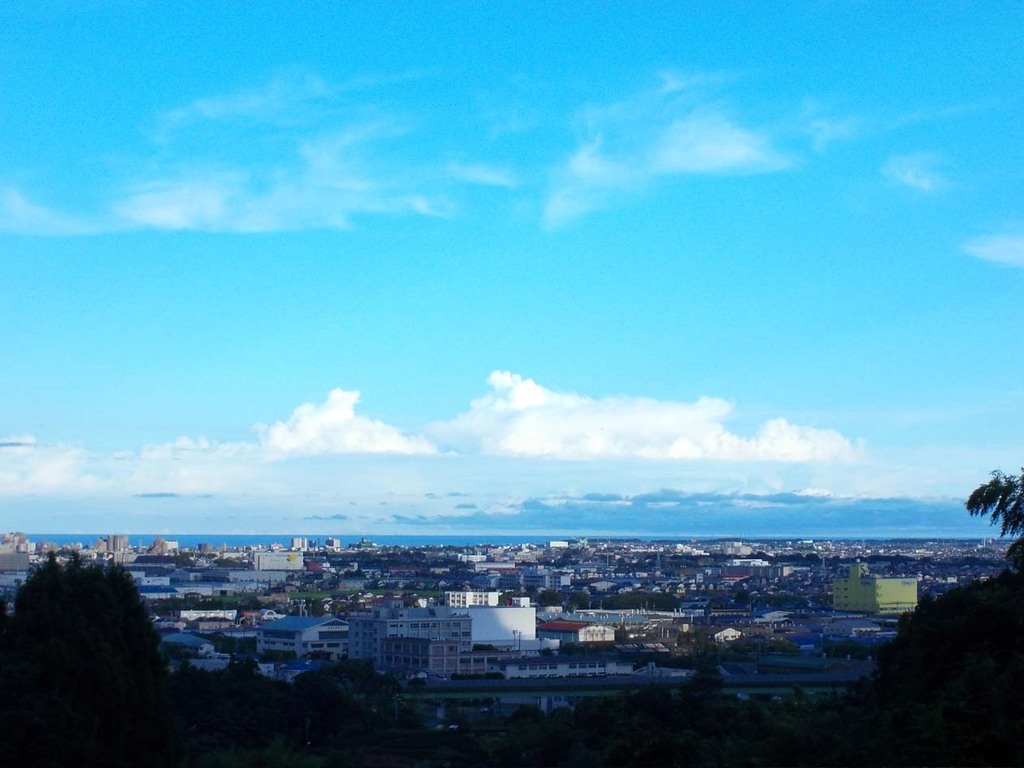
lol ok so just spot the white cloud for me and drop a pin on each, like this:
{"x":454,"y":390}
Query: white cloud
{"x":1007,"y":248}
{"x":334,"y":427}
{"x":26,"y":467}
{"x":916,"y":170}
{"x":706,"y":142}
{"x":202,"y":466}
{"x":667,"y":131}
{"x":519,"y":417}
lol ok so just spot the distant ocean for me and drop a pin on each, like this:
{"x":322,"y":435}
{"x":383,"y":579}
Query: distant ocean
{"x":240,"y":541}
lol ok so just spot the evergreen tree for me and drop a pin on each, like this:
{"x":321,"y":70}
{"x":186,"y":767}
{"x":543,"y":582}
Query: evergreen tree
{"x":1002,"y":500}
{"x":81,"y":674}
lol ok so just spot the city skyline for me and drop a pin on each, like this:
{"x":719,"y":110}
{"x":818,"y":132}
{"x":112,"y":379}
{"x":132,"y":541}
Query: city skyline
{"x":710,"y":270}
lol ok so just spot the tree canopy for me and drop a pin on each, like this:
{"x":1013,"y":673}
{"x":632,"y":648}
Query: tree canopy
{"x":1002,"y":500}
{"x":81,"y":674}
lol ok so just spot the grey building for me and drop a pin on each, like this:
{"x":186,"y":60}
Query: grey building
{"x":369,"y":631}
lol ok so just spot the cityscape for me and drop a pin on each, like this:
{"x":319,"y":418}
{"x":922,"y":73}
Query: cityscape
{"x":645,"y":596}
{"x":469,"y":639}
{"x":475,"y":385}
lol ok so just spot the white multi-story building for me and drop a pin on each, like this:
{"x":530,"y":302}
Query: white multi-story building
{"x":464,"y":599}
{"x":278,"y":561}
{"x":503,"y":626}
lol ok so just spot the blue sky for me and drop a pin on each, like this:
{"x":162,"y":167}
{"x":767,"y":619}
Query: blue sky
{"x":381,"y":268}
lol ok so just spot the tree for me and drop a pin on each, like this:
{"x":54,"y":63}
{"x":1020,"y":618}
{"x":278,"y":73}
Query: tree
{"x":1002,"y":500}
{"x":549,"y":597}
{"x":579,"y":601}
{"x":81,"y":673}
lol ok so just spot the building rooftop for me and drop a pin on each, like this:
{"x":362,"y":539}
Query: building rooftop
{"x":299,"y":623}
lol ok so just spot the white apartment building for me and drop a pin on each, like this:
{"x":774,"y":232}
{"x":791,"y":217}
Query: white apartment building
{"x":466,"y":599}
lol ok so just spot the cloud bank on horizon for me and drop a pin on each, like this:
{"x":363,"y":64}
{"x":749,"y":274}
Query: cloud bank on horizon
{"x":518,"y":418}
{"x":325,"y":457}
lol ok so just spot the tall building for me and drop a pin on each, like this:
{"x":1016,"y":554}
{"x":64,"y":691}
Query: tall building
{"x":857,"y":591}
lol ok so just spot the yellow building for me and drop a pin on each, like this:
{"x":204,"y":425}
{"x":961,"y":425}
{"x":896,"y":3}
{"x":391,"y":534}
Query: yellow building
{"x":870,"y":594}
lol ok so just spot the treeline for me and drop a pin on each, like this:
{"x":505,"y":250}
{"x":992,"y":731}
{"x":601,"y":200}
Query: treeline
{"x":335,"y":716}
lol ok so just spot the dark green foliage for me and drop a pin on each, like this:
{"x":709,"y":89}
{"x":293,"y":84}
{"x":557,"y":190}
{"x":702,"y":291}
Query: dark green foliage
{"x":653,"y":601}
{"x":235,"y":708}
{"x":82,"y":679}
{"x":239,"y":713}
{"x":954,"y":673}
{"x":233,"y":645}
{"x":549,"y":597}
{"x":1002,"y":500}
{"x":579,"y":600}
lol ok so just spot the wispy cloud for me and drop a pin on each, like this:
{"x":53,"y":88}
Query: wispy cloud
{"x":291,"y":98}
{"x":1003,"y":248}
{"x":520,"y":418}
{"x":672,"y":130}
{"x":827,"y":131}
{"x":917,"y":171}
{"x":274,"y":100}
{"x":479,"y":173}
{"x":17,"y":442}
{"x":20,"y":215}
{"x":293,"y":155}
{"x":708,"y":142}
{"x":329,"y":180}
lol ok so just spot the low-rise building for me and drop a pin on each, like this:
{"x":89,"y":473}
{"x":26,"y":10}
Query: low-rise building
{"x":727,"y":635}
{"x":304,"y":635}
{"x":420,"y":654}
{"x":564,"y":666}
{"x":576,"y":632}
